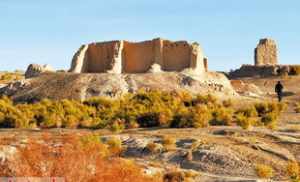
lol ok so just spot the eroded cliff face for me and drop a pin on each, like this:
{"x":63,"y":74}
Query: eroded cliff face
{"x":138,"y":57}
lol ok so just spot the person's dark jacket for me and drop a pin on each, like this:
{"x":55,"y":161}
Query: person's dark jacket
{"x":278,"y":88}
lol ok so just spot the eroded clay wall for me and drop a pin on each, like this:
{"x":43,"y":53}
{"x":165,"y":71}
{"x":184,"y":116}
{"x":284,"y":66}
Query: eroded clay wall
{"x":137,"y":57}
{"x":265,"y":53}
{"x":176,"y":55}
{"x":99,"y":57}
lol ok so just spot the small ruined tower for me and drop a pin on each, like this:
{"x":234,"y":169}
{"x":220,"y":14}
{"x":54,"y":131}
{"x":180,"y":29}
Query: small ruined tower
{"x":265,"y":53}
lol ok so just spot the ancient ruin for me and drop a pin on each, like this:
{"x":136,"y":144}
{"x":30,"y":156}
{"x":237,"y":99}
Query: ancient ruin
{"x":265,"y":53}
{"x":34,"y":70}
{"x":265,"y":62}
{"x":138,"y":57}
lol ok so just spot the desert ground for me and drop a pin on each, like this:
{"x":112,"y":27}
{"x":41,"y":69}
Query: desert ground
{"x":212,"y":153}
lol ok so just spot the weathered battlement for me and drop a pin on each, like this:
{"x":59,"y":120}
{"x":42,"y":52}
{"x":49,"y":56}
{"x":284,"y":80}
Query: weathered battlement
{"x":138,"y":57}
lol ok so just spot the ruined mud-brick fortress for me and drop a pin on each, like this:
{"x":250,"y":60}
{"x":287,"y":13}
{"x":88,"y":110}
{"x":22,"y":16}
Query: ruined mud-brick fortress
{"x":159,"y":55}
{"x":139,"y":57}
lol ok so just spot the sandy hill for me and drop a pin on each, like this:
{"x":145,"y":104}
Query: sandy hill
{"x":82,"y":86}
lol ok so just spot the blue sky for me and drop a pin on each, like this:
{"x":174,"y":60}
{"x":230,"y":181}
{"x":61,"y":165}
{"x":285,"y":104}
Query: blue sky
{"x":36,"y":31}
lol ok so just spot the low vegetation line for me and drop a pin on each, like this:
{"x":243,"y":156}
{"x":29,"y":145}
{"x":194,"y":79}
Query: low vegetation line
{"x":142,"y":109}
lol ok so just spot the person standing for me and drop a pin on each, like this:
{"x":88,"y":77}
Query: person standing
{"x":279,"y":90}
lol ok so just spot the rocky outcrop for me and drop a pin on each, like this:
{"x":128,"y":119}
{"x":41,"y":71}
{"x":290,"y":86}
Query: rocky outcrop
{"x":138,"y":57}
{"x":266,"y":53}
{"x":254,"y":71}
{"x":34,"y":70}
{"x":246,"y":89}
{"x":262,"y":71}
{"x":83,"y":86}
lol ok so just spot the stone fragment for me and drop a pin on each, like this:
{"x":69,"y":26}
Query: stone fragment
{"x":34,"y":70}
{"x":155,"y":68}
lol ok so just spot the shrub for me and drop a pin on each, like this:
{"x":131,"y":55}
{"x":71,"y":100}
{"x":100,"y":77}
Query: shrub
{"x":195,"y":117}
{"x":264,"y":171}
{"x":293,"y":169}
{"x":165,"y":117}
{"x":248,"y":111}
{"x":269,"y":112}
{"x":143,"y":109}
{"x":182,"y":121}
{"x":244,"y":121}
{"x":7,"y":77}
{"x":262,"y":108}
{"x":12,"y":117}
{"x":133,"y":124}
{"x":73,"y":161}
{"x":270,"y":120}
{"x":117,"y":126}
{"x":149,"y":120}
{"x":201,"y":116}
{"x":269,"y":107}
{"x":222,"y":116}
{"x":174,"y":176}
{"x":205,"y":99}
{"x":294,"y":70}
{"x":297,"y":108}
{"x":114,"y":146}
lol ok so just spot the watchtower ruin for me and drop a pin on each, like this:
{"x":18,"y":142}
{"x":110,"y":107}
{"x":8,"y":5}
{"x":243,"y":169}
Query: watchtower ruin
{"x":265,"y":53}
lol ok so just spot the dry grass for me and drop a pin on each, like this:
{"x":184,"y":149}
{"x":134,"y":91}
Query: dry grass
{"x":293,"y":170}
{"x":264,"y":171}
{"x":6,"y":77}
{"x":297,"y":108}
{"x":115,"y":146}
{"x":74,"y":159}
{"x":175,"y":176}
